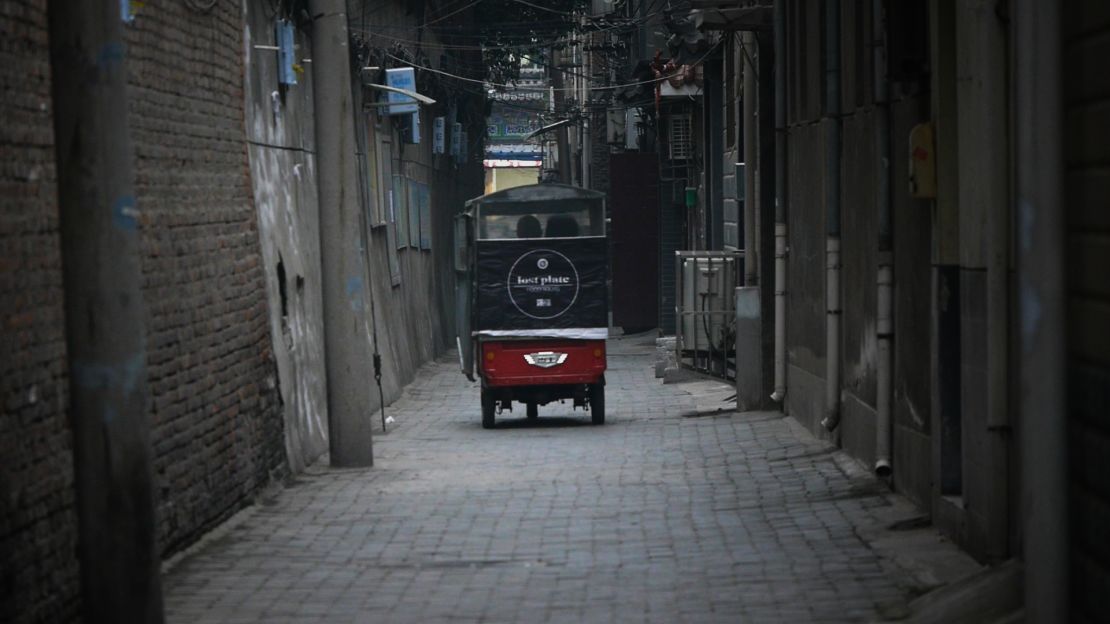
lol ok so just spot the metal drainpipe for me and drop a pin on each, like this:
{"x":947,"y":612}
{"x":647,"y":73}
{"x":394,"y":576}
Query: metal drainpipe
{"x":780,"y":201}
{"x":832,"y":215}
{"x":885,"y":313}
{"x":751,"y":151}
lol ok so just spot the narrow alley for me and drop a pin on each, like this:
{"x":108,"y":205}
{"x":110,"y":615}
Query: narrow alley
{"x":678,"y":509}
{"x":554,"y":311}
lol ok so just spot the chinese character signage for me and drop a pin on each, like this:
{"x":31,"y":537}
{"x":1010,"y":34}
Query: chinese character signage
{"x":439,"y":135}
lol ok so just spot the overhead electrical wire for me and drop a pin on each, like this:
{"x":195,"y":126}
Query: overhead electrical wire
{"x":526,"y":88}
{"x":455,"y":12}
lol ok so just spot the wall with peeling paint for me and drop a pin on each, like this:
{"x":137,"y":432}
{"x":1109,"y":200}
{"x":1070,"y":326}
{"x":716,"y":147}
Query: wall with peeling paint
{"x":412,"y":315}
{"x":279,"y":128}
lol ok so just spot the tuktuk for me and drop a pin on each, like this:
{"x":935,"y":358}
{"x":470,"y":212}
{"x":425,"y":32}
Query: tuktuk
{"x":533,"y":299}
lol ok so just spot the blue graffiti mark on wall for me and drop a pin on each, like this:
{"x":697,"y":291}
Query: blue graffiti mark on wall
{"x":123,"y":376}
{"x":124,"y":213}
{"x":110,"y":55}
{"x":354,"y":292}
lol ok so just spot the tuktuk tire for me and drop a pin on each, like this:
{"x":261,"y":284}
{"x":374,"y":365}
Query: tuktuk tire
{"x":533,"y":410}
{"x":597,"y":403}
{"x":489,"y":407}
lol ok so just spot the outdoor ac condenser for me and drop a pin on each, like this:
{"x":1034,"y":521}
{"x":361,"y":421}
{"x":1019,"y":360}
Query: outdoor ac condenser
{"x":707,"y":290}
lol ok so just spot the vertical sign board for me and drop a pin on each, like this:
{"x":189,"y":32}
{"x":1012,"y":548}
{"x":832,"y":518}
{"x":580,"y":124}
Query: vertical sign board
{"x":400,"y":201}
{"x":414,"y":129}
{"x":439,"y":135}
{"x":401,"y":78}
{"x":456,"y":140}
{"x":414,"y":213}
{"x":425,"y":217}
{"x":283,"y":32}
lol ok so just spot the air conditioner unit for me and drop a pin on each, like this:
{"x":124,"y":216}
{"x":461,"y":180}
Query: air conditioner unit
{"x":708,"y":287}
{"x":680,"y":137}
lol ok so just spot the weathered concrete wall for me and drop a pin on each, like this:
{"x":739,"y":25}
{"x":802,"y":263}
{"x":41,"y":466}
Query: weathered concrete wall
{"x":414,"y":315}
{"x":805,"y":285}
{"x":859,"y":221}
{"x":913,"y":301}
{"x":859,"y":261}
{"x":981,"y":85}
{"x":279,"y":128}
{"x":39,"y":574}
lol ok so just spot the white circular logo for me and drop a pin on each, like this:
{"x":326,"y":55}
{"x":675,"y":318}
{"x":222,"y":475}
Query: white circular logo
{"x":546,"y":291}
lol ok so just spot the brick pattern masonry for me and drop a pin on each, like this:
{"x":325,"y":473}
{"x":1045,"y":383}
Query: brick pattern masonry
{"x":217,"y":428}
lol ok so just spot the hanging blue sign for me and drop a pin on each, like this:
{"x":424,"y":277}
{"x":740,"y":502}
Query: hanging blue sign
{"x":401,"y":78}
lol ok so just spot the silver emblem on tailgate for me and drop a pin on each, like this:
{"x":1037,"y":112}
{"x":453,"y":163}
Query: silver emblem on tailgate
{"x":545,"y":359}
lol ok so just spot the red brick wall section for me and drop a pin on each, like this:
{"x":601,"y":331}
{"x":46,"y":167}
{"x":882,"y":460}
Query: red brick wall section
{"x":38,"y":572}
{"x":217,"y":428}
{"x":217,"y":422}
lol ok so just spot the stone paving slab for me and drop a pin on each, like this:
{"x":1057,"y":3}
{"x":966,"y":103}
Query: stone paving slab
{"x":671,"y":512}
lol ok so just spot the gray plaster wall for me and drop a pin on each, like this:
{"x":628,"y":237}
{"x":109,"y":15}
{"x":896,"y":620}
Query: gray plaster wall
{"x":859,"y":220}
{"x":805,"y":281}
{"x":913,"y":304}
{"x":279,"y":128}
{"x":413,"y":319}
{"x":859,"y":264}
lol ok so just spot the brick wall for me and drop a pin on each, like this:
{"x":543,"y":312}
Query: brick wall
{"x":38,"y":574}
{"x":217,"y":427}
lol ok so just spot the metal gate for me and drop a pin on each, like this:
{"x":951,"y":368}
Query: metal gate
{"x":705,"y":307}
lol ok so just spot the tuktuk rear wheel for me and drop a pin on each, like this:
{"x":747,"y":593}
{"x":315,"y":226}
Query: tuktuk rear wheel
{"x":533,"y":410}
{"x":597,"y":403}
{"x":489,"y":406}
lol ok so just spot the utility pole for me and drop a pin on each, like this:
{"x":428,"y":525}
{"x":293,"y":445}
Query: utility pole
{"x":105,"y":336}
{"x":345,"y":281}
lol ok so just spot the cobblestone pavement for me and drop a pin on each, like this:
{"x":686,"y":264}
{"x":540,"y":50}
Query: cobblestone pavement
{"x":671,"y":512}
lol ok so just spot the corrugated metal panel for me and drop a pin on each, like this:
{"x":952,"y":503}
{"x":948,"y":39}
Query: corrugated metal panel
{"x":1087,"y":161}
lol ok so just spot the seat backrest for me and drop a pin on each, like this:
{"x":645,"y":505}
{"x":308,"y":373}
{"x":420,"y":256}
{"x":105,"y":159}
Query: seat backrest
{"x":561,"y":226}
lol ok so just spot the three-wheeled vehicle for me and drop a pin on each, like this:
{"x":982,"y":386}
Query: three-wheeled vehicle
{"x":533,"y":311}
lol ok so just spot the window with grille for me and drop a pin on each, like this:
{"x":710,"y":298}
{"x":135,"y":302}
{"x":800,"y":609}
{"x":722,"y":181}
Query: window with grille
{"x":680,"y":137}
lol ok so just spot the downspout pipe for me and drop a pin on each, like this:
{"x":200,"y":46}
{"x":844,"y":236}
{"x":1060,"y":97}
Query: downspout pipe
{"x":885,"y":313}
{"x":751,"y":154}
{"x":832,"y":215}
{"x":780,"y":201}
